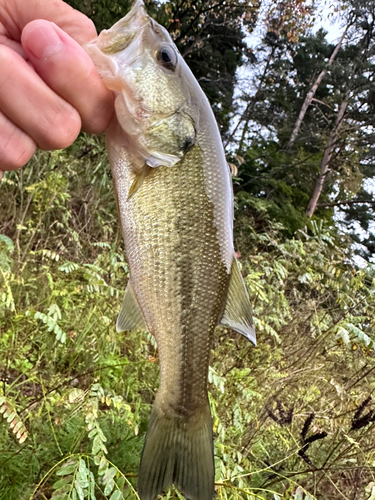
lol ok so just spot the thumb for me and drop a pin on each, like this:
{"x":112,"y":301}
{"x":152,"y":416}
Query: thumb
{"x":68,"y":70}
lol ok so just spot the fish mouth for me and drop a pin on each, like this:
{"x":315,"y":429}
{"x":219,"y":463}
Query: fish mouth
{"x":136,"y":15}
{"x":117,"y":48}
{"x":121,"y":34}
{"x":119,"y":54}
{"x":121,"y":46}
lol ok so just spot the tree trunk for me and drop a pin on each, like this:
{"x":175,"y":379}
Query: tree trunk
{"x":311,"y":207}
{"x":311,"y":93}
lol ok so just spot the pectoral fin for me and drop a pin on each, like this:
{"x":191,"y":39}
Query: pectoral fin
{"x":237,"y":312}
{"x":130,"y":316}
{"x":138,"y":181}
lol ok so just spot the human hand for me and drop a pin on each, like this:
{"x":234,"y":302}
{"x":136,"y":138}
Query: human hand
{"x":49,"y":88}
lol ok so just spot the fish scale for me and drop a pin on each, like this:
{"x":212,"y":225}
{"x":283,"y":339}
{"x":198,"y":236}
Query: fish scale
{"x":180,"y":265}
{"x":175,"y":203}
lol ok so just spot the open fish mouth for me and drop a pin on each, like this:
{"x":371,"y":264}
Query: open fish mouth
{"x":120,"y":46}
{"x":122,"y":33}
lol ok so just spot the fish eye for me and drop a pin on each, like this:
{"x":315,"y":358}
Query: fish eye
{"x":167,"y":57}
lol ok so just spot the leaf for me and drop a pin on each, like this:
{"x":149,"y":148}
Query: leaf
{"x":103,"y":465}
{"x":372,"y":495}
{"x":344,"y":335}
{"x":97,"y":445}
{"x":109,"y":474}
{"x":83,"y":474}
{"x":121,"y":482}
{"x":62,"y":482}
{"x":92,"y":433}
{"x":18,"y":427}
{"x":67,"y":468}
{"x":8,"y":242}
{"x":54,"y":311}
{"x":11,"y":416}
{"x":116,"y":495}
{"x":298,"y":495}
{"x":92,"y":486}
{"x":109,"y":487}
{"x":79,"y":489}
{"x":22,"y":436}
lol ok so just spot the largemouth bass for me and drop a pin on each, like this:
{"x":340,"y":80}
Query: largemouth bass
{"x":175,"y":203}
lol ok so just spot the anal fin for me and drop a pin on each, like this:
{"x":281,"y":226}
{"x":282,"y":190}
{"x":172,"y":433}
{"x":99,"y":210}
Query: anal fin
{"x":130,"y":316}
{"x":237,"y":312}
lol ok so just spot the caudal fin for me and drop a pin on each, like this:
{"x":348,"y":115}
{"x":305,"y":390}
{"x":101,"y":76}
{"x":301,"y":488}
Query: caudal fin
{"x":178,"y":452}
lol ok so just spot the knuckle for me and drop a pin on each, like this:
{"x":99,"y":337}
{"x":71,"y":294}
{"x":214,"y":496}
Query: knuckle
{"x":98,"y":109}
{"x":60,"y":129}
{"x":16,"y":155}
{"x":6,"y":64}
{"x":24,"y":154}
{"x":88,"y":26}
{"x":16,"y":148}
{"x":84,"y":29}
{"x":95,"y":127}
{"x":99,"y":122}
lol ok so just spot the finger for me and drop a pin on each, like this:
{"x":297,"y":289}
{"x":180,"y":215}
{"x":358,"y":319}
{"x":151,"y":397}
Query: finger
{"x":16,"y":148}
{"x":32,"y":106}
{"x":16,"y":16}
{"x":68,"y":70}
{"x":5,"y":40}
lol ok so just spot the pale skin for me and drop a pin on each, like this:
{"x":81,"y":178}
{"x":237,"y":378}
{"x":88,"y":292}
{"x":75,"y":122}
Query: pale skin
{"x":49,"y":88}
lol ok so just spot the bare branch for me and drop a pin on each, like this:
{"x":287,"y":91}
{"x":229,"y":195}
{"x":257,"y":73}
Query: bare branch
{"x":311,"y":207}
{"x":311,"y":93}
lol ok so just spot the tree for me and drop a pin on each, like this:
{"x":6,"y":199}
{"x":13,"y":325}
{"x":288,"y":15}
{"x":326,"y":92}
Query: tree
{"x":310,"y":95}
{"x":340,"y":109}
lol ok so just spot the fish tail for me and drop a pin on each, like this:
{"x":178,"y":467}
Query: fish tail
{"x":179,"y":452}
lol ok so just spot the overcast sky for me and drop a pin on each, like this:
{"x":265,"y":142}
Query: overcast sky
{"x":326,"y":20}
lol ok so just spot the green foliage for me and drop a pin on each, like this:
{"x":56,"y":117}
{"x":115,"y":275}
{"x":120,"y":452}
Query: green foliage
{"x":61,"y":360}
{"x":285,"y":176}
{"x":292,"y":418}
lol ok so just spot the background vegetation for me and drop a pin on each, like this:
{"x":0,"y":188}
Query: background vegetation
{"x":294,"y":417}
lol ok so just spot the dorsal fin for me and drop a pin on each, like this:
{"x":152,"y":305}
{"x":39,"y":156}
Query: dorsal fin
{"x":237,"y":312}
{"x":130,"y":316}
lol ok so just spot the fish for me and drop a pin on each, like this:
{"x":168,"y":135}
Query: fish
{"x":175,"y":202}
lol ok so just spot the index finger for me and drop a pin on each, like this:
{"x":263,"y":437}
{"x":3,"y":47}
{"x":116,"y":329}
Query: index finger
{"x":15,"y":16}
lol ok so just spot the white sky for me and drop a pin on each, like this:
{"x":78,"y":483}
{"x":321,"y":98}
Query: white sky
{"x":329,"y":21}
